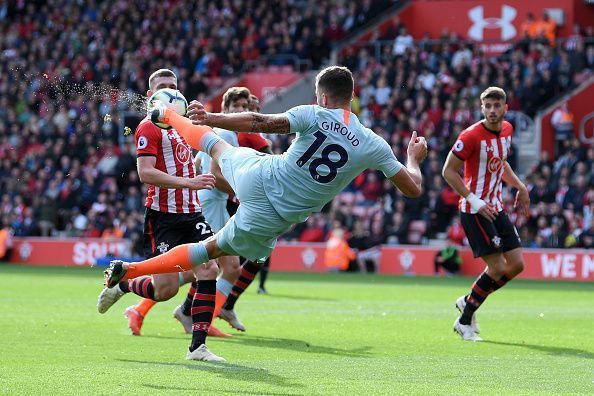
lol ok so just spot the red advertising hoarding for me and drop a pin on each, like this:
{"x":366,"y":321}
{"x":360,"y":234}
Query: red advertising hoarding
{"x":495,"y":23}
{"x":554,"y":264}
{"x":562,"y":264}
{"x":70,"y":251}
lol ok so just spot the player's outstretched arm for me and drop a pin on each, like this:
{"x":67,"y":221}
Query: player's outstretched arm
{"x":409,"y":180}
{"x":245,"y":122}
{"x":150,"y":175}
{"x":450,"y":173}
{"x":404,"y":181}
{"x":522,"y":196}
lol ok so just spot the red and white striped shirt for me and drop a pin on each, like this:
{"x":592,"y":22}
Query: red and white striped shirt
{"x":174,"y":157}
{"x":484,"y":153}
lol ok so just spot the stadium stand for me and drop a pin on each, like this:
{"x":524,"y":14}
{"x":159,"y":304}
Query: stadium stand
{"x":63,"y":171}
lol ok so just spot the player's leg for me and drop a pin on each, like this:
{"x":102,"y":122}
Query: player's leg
{"x":485,"y":243}
{"x":215,"y":212}
{"x":249,"y":270}
{"x":484,"y":285}
{"x":200,"y":137}
{"x":263,"y":276}
{"x":159,"y":235}
{"x":231,"y":271}
{"x":182,"y":313}
{"x":202,"y":312}
{"x":510,"y":240}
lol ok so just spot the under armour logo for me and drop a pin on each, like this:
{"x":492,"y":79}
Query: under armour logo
{"x":476,"y":15}
{"x":162,"y":247}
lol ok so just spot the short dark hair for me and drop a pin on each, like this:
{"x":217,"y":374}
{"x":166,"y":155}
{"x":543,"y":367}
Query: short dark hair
{"x":233,"y":94}
{"x":493,"y":93}
{"x":336,"y":82}
{"x":161,"y":73}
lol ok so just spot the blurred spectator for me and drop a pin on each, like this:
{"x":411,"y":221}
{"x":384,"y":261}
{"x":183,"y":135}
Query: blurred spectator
{"x":448,"y":259}
{"x":6,"y":234}
{"x":529,"y":27}
{"x":456,"y":232}
{"x":314,"y":230}
{"x":338,"y":254}
{"x":562,"y":121}
{"x":402,"y":42}
{"x":547,"y":28}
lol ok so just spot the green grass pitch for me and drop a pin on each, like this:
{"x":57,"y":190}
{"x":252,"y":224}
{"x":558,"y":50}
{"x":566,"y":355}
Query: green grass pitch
{"x":315,"y":334}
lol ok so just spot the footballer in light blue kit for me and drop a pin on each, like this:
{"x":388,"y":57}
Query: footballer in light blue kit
{"x":276,"y":191}
{"x":331,"y":148}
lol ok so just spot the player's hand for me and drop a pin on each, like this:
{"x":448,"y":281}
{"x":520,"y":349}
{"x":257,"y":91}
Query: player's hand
{"x":201,"y":182}
{"x":523,"y":200}
{"x":197,"y":113}
{"x":488,"y":211}
{"x":417,"y":147}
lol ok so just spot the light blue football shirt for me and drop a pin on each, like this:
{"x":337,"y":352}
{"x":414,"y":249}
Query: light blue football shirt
{"x":205,"y":164}
{"x":327,"y":153}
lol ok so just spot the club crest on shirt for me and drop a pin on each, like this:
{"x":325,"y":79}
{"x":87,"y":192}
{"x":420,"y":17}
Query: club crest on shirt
{"x":162,"y":247}
{"x":459,"y":145}
{"x":142,"y":142}
{"x":183,"y":154}
{"x":496,"y":241}
{"x":495,"y":164}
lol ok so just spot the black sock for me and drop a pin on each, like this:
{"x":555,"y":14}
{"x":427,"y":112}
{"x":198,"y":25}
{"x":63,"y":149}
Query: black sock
{"x":187,"y":305}
{"x":248,"y":272}
{"x":481,"y":289}
{"x":264,"y":272}
{"x":141,"y":286}
{"x":202,"y":310}
{"x":500,"y":283}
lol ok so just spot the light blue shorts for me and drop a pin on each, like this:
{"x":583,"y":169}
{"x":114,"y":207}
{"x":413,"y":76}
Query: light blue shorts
{"x":253,"y":230}
{"x":215,"y":212}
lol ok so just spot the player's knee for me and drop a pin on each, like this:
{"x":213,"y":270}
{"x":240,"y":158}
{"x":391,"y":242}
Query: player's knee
{"x":497,"y":266}
{"x":517,"y":267}
{"x":165,"y":291}
{"x":207,"y":271}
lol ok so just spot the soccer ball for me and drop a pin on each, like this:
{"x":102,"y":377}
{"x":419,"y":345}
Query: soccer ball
{"x":172,"y":98}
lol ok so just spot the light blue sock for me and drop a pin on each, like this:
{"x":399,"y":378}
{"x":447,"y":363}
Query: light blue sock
{"x":208,"y":142}
{"x":198,"y":254}
{"x":224,"y":286}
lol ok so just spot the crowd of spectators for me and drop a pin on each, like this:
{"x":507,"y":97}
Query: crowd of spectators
{"x":433,"y":86}
{"x":63,"y":173}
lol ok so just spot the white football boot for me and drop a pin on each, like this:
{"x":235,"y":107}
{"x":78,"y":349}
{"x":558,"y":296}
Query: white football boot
{"x":203,"y":354}
{"x":460,"y":304}
{"x":108,"y":297}
{"x":465,"y":331}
